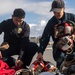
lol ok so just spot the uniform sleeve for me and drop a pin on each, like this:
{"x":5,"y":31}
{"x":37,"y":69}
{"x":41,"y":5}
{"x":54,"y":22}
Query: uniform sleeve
{"x":45,"y":38}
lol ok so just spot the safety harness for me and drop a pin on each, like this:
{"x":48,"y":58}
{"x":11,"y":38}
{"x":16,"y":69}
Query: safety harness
{"x":64,"y":32}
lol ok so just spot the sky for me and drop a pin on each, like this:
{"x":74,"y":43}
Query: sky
{"x":37,"y":12}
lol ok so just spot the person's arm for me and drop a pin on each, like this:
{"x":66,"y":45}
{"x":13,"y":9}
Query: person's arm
{"x":48,"y":32}
{"x":4,"y":46}
{"x":44,"y":40}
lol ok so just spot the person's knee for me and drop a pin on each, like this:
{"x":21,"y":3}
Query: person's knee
{"x":34,"y":46}
{"x":59,"y":62}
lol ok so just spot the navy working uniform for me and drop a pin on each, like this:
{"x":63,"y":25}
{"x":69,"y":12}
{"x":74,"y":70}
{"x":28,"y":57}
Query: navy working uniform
{"x":18,"y":39}
{"x":49,"y":31}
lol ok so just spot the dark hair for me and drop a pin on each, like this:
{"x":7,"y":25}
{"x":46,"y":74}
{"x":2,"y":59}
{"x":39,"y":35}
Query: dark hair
{"x":19,"y":13}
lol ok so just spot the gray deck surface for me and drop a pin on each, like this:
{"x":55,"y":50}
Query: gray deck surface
{"x":47,"y":55}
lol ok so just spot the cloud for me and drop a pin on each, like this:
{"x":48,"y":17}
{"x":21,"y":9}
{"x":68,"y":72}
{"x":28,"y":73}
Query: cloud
{"x":7,"y":6}
{"x":32,"y":25}
{"x":43,"y":23}
{"x":37,"y":29}
{"x":41,"y":8}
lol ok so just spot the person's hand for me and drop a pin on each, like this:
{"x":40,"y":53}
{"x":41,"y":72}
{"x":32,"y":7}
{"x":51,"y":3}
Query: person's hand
{"x":0,"y":55}
{"x":19,"y":63}
{"x":39,"y":56}
{"x":4,"y":46}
